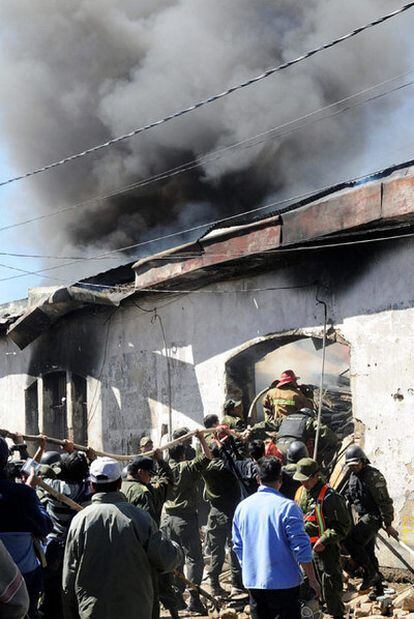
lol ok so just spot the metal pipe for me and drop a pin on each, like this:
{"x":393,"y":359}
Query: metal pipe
{"x":318,"y":429}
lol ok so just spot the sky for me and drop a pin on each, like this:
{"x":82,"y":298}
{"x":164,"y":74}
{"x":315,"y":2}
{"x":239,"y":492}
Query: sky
{"x":12,"y":200}
{"x":120,"y":66}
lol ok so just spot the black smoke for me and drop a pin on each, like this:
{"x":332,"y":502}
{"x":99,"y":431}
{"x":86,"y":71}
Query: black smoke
{"x":79,"y":72}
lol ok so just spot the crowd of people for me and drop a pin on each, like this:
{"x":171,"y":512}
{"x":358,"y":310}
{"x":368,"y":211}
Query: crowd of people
{"x":80,"y":537}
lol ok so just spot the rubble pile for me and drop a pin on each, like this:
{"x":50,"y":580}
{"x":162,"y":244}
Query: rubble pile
{"x":336,"y":410}
{"x":394,"y":605}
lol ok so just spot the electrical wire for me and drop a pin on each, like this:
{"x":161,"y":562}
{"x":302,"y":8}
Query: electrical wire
{"x":215,"y":97}
{"x":231,"y":149}
{"x":294,"y":199}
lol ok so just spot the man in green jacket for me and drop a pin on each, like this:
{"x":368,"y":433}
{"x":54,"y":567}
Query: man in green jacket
{"x":180,"y":520}
{"x":146,"y":488}
{"x":222,"y":490}
{"x":233,"y":415}
{"x":327,"y":522}
{"x":111,"y":550}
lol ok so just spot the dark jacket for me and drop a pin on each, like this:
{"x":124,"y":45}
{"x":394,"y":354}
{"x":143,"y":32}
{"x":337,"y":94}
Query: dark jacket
{"x":368,"y":492}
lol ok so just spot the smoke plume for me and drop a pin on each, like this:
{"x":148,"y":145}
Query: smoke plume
{"x":78,"y":72}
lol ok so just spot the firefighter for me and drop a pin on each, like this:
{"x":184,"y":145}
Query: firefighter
{"x":286,"y":397}
{"x":327,"y":523}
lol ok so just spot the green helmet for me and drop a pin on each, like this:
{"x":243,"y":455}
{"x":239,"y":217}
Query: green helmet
{"x":355,"y":454}
{"x":305,"y":469}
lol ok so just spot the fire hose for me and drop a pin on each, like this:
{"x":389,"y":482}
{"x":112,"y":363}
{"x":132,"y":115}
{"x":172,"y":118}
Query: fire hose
{"x":63,"y":443}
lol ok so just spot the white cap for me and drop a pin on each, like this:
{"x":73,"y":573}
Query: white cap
{"x":104,"y":470}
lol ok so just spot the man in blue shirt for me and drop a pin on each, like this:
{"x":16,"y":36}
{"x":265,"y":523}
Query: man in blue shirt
{"x":270,"y":542}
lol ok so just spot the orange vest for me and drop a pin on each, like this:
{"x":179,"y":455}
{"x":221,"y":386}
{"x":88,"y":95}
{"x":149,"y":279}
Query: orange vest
{"x":317,"y":516}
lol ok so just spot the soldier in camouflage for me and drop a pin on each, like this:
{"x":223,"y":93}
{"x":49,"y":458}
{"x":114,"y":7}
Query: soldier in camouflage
{"x":233,"y":415}
{"x":327,"y":523}
{"x":367,"y":492}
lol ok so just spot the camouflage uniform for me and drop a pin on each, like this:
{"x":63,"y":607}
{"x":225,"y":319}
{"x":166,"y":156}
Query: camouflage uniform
{"x":149,"y":497}
{"x":180,"y":520}
{"x":367,"y":492}
{"x":234,"y":422}
{"x":222,"y":490}
{"x":331,"y":531}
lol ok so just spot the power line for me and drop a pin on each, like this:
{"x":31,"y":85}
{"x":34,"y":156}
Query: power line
{"x":213,"y":98}
{"x":245,"y":143}
{"x":315,"y":193}
{"x":43,"y":256}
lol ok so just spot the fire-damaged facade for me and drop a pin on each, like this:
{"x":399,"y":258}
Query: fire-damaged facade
{"x":169,"y":338}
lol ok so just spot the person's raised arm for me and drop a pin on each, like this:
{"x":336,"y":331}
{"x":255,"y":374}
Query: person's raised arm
{"x":204,"y":446}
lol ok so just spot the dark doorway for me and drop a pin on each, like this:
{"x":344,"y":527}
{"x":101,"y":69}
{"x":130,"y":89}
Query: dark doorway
{"x":54,"y":405}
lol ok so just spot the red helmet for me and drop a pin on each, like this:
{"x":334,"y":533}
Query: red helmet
{"x":286,"y":377}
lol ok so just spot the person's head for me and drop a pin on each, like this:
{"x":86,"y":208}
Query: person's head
{"x":105,"y":475}
{"x":256,"y":449}
{"x":179,"y":432}
{"x":356,"y":458}
{"x":146,"y":444}
{"x":50,"y":457}
{"x":288,"y":377}
{"x":74,"y":468}
{"x":211,"y":421}
{"x":141,"y":469}
{"x":177,"y":453}
{"x":233,"y":407}
{"x":270,"y":472}
{"x":308,"y":472}
{"x":4,"y":453}
{"x":296,"y":451}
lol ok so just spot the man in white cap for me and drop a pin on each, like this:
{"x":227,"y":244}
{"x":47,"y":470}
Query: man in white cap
{"x":111,"y":552}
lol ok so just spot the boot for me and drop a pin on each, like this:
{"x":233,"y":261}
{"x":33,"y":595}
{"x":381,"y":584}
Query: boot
{"x":371,"y":578}
{"x":377,"y":591}
{"x":195,"y":605}
{"x":216,"y":589}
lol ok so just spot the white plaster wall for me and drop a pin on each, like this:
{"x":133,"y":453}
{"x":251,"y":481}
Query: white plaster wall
{"x":370,"y":304}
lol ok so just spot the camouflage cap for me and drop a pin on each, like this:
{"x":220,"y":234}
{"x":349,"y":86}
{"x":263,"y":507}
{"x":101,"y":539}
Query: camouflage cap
{"x":145,"y":440}
{"x":305,"y":468}
{"x":230,"y":405}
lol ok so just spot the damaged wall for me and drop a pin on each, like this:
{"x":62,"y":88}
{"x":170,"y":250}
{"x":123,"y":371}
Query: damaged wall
{"x":122,"y":352}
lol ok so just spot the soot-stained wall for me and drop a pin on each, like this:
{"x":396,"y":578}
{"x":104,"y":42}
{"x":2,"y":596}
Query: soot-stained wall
{"x":122,"y":353}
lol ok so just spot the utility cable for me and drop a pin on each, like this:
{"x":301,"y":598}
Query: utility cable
{"x":245,"y":143}
{"x":294,"y":199}
{"x":215,"y":97}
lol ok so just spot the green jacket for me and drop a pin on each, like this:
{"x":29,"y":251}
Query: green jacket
{"x":234,"y":422}
{"x":149,"y":497}
{"x":110,"y":551}
{"x":183,"y":494}
{"x":222,"y":488}
{"x":335,"y":514}
{"x":260,"y":430}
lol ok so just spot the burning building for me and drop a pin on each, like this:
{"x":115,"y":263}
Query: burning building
{"x":168,"y":338}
